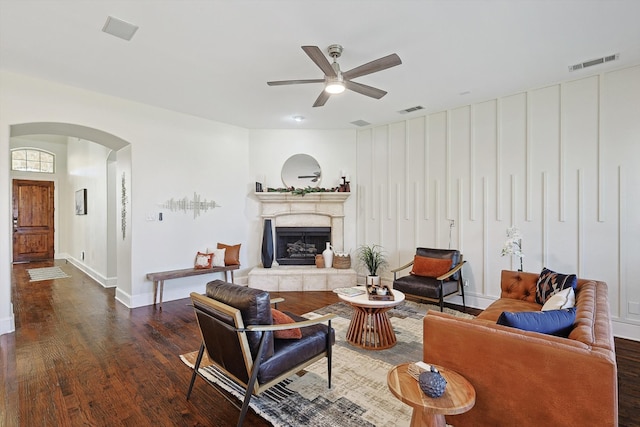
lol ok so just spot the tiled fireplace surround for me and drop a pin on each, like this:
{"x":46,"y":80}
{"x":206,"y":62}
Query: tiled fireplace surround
{"x":310,"y":210}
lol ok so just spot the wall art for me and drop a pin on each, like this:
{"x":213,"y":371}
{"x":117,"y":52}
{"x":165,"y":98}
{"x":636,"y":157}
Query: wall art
{"x":197,"y":205}
{"x":81,"y":202}
{"x":123,"y":210}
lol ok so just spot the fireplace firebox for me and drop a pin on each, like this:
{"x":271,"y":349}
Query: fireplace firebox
{"x":300,"y":245}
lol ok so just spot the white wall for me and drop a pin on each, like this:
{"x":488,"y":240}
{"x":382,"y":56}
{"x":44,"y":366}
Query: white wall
{"x":87,"y":234}
{"x":172,"y":156}
{"x":560,"y":162}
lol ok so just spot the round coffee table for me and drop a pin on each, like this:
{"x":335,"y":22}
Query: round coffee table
{"x":370,"y":327}
{"x":459,"y":396}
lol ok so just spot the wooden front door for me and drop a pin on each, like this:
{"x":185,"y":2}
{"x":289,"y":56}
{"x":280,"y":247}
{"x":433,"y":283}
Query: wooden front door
{"x":32,"y":220}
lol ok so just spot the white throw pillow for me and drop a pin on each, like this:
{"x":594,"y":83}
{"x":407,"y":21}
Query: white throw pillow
{"x":566,"y":298}
{"x":218,"y":256}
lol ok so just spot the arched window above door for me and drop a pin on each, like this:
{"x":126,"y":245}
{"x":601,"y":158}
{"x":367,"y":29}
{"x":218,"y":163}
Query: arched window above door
{"x":32,"y":160}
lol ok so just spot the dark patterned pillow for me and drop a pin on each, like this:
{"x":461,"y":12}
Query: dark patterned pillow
{"x":549,"y":283}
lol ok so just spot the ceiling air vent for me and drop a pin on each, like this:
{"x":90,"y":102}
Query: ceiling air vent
{"x":360,"y":123}
{"x":119,"y":28}
{"x":411,"y":109}
{"x":593,"y":62}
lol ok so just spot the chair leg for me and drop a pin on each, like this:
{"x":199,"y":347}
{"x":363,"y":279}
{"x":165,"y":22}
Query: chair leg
{"x":441,"y":296}
{"x":464,"y":304}
{"x":195,"y":369}
{"x":329,"y":352}
{"x":252,"y":380}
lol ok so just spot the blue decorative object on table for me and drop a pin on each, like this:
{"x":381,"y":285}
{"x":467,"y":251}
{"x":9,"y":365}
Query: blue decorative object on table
{"x":432,"y":383}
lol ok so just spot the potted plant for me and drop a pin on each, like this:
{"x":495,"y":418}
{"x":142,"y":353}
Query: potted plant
{"x":373,"y":258}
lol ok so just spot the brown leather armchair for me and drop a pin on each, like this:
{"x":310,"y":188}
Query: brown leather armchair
{"x":434,"y":288}
{"x":237,"y":334}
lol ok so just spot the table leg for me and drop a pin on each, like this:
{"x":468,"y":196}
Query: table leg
{"x":161,"y":292}
{"x":370,"y":328}
{"x":155,"y":291}
{"x":421,"y":418}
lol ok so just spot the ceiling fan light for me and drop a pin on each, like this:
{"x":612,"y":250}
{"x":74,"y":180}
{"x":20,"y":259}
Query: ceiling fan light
{"x":334,"y":87}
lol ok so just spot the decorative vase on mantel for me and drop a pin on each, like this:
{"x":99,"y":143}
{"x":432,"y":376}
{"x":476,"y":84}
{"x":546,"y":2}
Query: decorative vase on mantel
{"x":267,"y":245}
{"x":327,"y":254}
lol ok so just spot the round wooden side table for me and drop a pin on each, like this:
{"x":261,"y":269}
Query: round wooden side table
{"x":459,"y":396}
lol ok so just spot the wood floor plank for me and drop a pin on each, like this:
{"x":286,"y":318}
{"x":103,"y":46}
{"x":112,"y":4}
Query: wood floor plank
{"x":78,"y":357}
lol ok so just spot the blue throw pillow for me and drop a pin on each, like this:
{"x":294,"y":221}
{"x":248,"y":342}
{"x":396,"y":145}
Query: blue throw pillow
{"x":552,"y":322}
{"x":550,"y":283}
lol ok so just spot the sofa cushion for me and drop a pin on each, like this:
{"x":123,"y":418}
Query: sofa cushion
{"x":549,"y":283}
{"x":203,"y":260}
{"x":232,"y":253}
{"x":566,"y":298}
{"x":552,"y":322}
{"x":313,"y":342}
{"x":218,"y":256}
{"x":451,"y":254}
{"x":496,"y":308}
{"x":280,"y":318}
{"x":430,"y":267}
{"x":426,"y":287}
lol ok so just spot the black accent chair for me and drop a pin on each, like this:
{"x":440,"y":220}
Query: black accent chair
{"x":433,"y":288}
{"x":237,"y":335}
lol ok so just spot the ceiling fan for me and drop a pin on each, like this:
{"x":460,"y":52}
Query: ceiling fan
{"x":337,"y":81}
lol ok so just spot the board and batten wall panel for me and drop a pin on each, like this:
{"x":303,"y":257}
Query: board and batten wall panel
{"x":560,"y":162}
{"x":620,"y":151}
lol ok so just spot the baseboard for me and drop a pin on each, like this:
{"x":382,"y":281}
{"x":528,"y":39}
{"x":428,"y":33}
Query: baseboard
{"x":124,"y":298}
{"x":626,"y":330}
{"x":102,"y":280}
{"x":7,"y":325}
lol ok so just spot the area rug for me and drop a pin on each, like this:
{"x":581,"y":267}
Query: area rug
{"x":46,"y":273}
{"x":359,"y":395}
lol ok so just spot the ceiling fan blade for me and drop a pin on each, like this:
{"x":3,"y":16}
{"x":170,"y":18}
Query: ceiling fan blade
{"x":373,"y":66}
{"x":365,"y":90}
{"x":320,"y":59}
{"x":294,"y":82}
{"x":322,"y":99}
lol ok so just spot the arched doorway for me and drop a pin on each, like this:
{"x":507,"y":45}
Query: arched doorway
{"x":111,"y":222}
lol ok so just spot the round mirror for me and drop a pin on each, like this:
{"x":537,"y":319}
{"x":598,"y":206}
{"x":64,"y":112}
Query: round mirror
{"x":301,"y":171}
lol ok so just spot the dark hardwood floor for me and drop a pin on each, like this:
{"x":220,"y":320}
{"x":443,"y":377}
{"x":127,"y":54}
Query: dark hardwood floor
{"x":80,"y":358}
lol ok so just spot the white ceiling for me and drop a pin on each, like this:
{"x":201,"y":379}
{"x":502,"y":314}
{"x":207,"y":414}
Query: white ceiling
{"x":212,"y":59}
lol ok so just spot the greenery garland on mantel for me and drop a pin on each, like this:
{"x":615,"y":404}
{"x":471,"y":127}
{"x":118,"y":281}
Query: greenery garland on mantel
{"x":303,"y":191}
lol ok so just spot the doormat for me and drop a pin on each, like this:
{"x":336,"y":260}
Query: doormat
{"x":46,"y":273}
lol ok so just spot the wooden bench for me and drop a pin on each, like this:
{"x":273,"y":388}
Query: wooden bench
{"x":161,"y":276}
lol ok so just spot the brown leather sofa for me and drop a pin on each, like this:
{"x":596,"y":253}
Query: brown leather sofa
{"x":527,"y":378}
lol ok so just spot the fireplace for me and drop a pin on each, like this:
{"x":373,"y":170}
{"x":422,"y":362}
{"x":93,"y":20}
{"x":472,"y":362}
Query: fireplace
{"x":300,"y":245}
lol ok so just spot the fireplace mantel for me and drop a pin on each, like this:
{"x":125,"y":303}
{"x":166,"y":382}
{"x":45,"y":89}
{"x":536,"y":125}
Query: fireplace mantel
{"x":319,"y":197}
{"x":321,"y":209}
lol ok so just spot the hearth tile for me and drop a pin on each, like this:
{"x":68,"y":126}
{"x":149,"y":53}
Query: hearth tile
{"x":314,"y":282}
{"x":265,"y":282}
{"x":290,"y":282}
{"x":344,"y":279}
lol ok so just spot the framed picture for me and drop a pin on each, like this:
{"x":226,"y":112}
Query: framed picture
{"x":81,"y":202}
